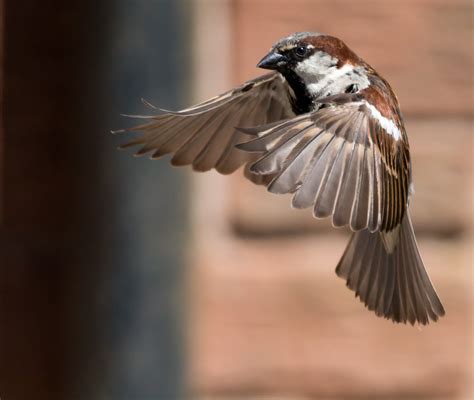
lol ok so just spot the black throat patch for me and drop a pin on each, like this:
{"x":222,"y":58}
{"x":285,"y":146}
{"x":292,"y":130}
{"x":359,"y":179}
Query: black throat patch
{"x":302,"y":101}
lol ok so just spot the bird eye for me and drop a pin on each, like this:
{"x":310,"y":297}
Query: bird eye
{"x":301,"y":51}
{"x":352,"y":88}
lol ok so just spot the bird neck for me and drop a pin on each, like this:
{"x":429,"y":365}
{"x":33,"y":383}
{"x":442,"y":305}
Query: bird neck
{"x":300,"y":99}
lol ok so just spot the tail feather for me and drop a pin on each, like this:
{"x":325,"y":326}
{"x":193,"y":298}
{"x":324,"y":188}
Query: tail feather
{"x":386,"y":271}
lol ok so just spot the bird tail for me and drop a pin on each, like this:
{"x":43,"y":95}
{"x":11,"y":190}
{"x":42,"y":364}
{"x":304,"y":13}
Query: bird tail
{"x":386,"y":271}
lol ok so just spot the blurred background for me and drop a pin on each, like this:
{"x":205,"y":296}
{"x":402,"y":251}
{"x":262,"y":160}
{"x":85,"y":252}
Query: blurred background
{"x":122,"y":278}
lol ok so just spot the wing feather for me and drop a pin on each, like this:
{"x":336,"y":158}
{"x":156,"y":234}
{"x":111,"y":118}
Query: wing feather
{"x":329,"y":189}
{"x":289,"y":178}
{"x":279,"y":149}
{"x":340,"y":161}
{"x":305,"y":195}
{"x":359,"y":208}
{"x":204,"y":135}
{"x":324,"y":203}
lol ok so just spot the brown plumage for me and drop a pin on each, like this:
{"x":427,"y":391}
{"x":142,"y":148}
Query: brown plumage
{"x":326,"y":127}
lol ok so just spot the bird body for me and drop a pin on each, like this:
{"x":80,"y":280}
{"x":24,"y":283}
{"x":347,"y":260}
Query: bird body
{"x":326,"y":127}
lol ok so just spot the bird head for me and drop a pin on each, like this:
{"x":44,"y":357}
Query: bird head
{"x":316,"y":65}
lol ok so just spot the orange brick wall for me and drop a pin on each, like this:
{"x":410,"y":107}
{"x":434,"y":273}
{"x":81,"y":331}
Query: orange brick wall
{"x":268,"y":315}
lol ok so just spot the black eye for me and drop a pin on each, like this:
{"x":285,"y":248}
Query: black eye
{"x":301,"y":51}
{"x":353,"y":88}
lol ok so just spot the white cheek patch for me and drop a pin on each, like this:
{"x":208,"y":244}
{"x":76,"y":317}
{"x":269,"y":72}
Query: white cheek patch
{"x":315,"y":66}
{"x":332,"y":76}
{"x":322,"y":76}
{"x":385,"y":123}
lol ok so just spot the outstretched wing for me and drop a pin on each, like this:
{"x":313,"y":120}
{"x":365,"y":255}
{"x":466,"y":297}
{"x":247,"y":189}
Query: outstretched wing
{"x":345,"y":160}
{"x":204,"y":135}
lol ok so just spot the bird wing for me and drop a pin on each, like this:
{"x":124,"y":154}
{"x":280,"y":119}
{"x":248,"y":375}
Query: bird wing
{"x":345,"y":160}
{"x":204,"y":135}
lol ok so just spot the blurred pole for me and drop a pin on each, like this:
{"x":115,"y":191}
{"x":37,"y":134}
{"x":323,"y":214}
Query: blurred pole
{"x":2,"y":40}
{"x":92,"y":240}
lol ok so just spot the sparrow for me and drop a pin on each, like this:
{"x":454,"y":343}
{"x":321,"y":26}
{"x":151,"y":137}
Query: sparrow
{"x":326,"y":127}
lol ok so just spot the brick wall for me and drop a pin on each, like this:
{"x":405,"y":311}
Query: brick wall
{"x":268,"y":315}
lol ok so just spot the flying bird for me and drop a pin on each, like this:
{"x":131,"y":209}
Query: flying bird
{"x":326,"y":127}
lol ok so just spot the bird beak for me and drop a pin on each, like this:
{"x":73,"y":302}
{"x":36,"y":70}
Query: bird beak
{"x":272,"y":60}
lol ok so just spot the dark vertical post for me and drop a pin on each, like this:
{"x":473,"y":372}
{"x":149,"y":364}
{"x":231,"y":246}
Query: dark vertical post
{"x":2,"y":40}
{"x":91,"y":245}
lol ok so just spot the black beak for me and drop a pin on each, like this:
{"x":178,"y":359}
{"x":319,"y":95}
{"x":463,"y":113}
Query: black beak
{"x":272,"y":60}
